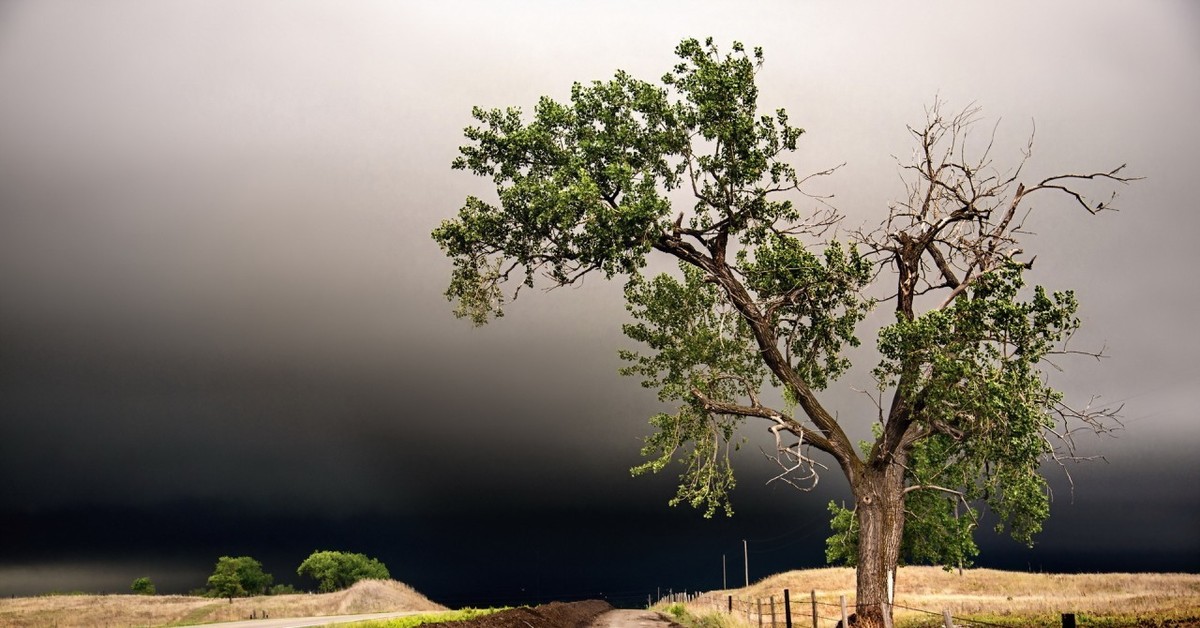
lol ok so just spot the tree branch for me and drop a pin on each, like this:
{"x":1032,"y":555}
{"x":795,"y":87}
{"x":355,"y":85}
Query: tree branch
{"x":778,"y":418}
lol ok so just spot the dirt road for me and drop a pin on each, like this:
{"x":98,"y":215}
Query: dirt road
{"x":624,"y":618}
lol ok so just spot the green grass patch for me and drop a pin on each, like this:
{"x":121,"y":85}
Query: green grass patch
{"x":427,"y":618}
{"x":686,"y":618}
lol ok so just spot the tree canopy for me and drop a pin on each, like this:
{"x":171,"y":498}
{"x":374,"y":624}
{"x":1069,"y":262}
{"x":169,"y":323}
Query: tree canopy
{"x":772,"y":289}
{"x":239,"y":576}
{"x":334,"y":571}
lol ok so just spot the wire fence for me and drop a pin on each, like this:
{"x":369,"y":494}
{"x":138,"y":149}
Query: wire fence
{"x":815,"y":610}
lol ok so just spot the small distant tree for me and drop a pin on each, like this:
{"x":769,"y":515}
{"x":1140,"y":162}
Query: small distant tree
{"x":334,"y":571}
{"x":282,"y":589}
{"x":225,"y":583}
{"x":142,"y":586}
{"x":238,"y":577}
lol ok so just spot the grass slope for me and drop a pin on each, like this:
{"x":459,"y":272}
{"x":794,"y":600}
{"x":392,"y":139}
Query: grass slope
{"x":999,"y":597}
{"x":367,"y":596}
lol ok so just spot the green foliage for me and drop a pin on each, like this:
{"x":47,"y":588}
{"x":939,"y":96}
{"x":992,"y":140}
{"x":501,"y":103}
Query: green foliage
{"x":583,"y":185}
{"x":986,"y":407}
{"x":224,"y":583}
{"x":240,"y":576}
{"x":335,"y":571}
{"x":700,"y":345}
{"x":980,"y":388}
{"x":699,"y":342}
{"x":282,"y":589}
{"x":142,"y":586}
{"x":815,"y":303}
{"x":939,"y":526}
{"x":703,"y":345}
{"x":565,"y":168}
{"x":841,"y":548}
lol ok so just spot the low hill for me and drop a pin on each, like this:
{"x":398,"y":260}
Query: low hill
{"x":366,"y":596}
{"x":1000,"y":597}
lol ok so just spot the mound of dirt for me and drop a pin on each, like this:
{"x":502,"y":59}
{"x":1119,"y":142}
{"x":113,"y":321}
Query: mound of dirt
{"x":552,"y":615}
{"x":378,"y":596}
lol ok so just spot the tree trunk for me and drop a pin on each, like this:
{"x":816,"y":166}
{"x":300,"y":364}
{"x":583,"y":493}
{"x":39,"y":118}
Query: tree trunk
{"x":879,"y":497}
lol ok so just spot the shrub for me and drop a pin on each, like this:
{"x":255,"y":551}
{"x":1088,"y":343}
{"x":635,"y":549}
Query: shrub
{"x":142,"y":586}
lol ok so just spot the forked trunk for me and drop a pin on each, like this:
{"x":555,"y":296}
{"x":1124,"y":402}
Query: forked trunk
{"x":879,"y":496}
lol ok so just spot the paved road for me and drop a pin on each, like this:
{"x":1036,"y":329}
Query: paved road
{"x":303,"y":622}
{"x":622,"y":618}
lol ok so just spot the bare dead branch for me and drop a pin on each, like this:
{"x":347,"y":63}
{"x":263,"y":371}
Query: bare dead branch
{"x":799,"y":470}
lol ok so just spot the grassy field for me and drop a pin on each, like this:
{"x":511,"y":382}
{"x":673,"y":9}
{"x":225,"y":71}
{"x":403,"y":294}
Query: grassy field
{"x":978,"y":597}
{"x":367,"y":596}
{"x":983,"y":595}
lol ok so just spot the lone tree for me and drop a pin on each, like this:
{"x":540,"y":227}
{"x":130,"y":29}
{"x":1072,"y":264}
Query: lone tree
{"x":238,"y":577}
{"x":334,"y":571}
{"x":767,"y":297}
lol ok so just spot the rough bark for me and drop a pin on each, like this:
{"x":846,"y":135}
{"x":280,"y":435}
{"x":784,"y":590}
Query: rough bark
{"x":879,"y":508}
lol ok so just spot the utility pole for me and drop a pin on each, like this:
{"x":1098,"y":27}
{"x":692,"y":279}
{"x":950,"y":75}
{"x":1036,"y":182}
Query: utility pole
{"x":746,"y":560}
{"x":724,"y":583}
{"x":960,"y":557}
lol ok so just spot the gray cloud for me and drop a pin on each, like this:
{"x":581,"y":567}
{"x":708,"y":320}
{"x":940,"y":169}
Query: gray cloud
{"x":216,"y":280}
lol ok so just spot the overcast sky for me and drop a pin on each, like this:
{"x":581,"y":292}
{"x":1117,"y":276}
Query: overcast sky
{"x":222,"y":327}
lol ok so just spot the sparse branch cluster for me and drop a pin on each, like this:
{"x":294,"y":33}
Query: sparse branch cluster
{"x":963,"y":215}
{"x":1070,"y":421}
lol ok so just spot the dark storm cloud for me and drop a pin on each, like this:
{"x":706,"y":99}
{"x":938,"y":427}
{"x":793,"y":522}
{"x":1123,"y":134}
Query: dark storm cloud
{"x":220,"y":308}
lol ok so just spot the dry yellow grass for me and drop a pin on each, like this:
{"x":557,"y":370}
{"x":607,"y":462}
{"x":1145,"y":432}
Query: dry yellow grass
{"x":367,"y":596}
{"x":987,"y":593}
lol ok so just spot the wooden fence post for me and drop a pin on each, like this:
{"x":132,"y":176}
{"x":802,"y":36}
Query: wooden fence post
{"x":947,"y":619}
{"x":731,"y":605}
{"x":845,"y":617}
{"x":1068,"y":620}
{"x":814,"y":607}
{"x":760,"y":612}
{"x":787,"y":609}
{"x":772,"y":611}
